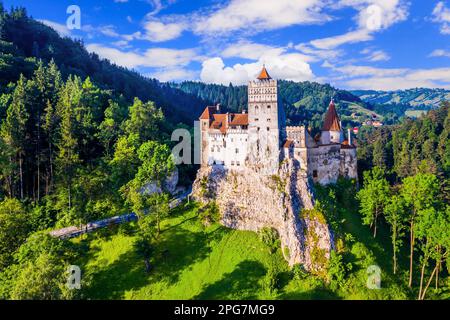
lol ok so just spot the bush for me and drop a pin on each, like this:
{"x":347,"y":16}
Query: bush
{"x":270,"y":237}
{"x":270,"y":281}
{"x":299,"y":272}
{"x":336,"y":271}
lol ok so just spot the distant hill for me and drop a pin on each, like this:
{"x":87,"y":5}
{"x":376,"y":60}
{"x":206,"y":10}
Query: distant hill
{"x":418,"y":98}
{"x":304,"y":102}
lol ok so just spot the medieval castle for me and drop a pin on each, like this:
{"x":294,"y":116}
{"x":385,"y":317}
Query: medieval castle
{"x":260,"y":139}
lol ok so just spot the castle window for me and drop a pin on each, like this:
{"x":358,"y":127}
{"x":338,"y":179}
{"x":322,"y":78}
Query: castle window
{"x":315,"y":174}
{"x":269,"y":120}
{"x":268,"y":129}
{"x":256,"y":119}
{"x":258,"y":128}
{"x":237,"y":150}
{"x":238,"y":163}
{"x":268,"y":107}
{"x":256,"y":108}
{"x":232,"y":163}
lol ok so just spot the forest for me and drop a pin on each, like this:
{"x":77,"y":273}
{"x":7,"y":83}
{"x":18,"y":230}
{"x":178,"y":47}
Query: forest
{"x":80,"y":138}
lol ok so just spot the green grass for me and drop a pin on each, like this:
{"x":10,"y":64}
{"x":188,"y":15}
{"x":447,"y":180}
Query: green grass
{"x":415,"y":113}
{"x":194,"y":262}
{"x":354,"y":107}
{"x":191,"y":262}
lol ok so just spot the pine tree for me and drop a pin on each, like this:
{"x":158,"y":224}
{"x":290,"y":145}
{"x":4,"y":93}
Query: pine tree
{"x":14,"y":128}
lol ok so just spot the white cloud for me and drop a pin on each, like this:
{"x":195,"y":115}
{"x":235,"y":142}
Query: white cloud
{"x":60,"y":28}
{"x":159,"y":5}
{"x":365,"y":77}
{"x":286,"y":66}
{"x":373,"y":15}
{"x":441,"y":14}
{"x":378,"y":55}
{"x":155,"y":57}
{"x":258,"y":15}
{"x":319,"y":54}
{"x":336,"y":41}
{"x":440,"y":53}
{"x":157,"y":31}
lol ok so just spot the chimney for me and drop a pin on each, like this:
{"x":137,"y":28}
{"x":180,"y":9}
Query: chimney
{"x":218,"y":107}
{"x":349,"y":137}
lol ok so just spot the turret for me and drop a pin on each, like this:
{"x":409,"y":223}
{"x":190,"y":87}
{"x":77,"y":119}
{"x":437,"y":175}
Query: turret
{"x":332,"y":129}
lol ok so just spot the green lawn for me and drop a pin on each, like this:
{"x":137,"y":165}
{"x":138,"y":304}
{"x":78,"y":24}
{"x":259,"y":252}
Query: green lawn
{"x":190,"y":262}
{"x":194,"y":262}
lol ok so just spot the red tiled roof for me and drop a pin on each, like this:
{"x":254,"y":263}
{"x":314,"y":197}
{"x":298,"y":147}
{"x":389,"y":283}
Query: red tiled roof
{"x":222,"y":121}
{"x":332,"y":122}
{"x":239,"y":119}
{"x":219,"y":122}
{"x":207,"y":113}
{"x":264,"y":75}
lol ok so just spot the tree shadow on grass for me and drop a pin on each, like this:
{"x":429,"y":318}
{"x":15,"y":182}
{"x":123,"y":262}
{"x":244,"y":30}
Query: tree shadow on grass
{"x":241,"y":283}
{"x":113,"y":280}
{"x":177,"y":252}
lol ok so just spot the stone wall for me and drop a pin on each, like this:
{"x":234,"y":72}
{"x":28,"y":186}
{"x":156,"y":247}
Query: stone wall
{"x":251,"y":201}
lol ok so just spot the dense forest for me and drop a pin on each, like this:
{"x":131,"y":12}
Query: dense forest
{"x":81,"y":138}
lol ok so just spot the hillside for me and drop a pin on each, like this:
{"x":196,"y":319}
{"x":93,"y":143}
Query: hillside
{"x":304,"y":102}
{"x":412,"y":99}
{"x":24,"y":41}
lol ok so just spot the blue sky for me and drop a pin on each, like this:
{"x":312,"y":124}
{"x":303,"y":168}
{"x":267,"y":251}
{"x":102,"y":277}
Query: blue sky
{"x":351,"y":44}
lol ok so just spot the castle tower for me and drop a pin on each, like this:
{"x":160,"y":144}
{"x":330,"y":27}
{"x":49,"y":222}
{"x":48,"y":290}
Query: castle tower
{"x":332,"y":129}
{"x":266,"y":123}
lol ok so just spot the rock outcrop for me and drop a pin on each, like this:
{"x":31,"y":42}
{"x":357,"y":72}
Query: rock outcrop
{"x":252,"y":201}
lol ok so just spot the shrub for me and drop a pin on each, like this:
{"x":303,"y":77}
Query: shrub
{"x":299,"y":272}
{"x":270,"y":237}
{"x":336,"y":271}
{"x":270,"y":280}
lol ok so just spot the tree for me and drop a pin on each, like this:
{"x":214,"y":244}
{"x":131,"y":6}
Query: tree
{"x":68,"y":158}
{"x":144,"y":120}
{"x":14,"y":229}
{"x":373,"y":197}
{"x":433,"y":228}
{"x":157,"y":163}
{"x":14,"y":127}
{"x":396,"y":217}
{"x":43,"y":279}
{"x":419,"y":192}
{"x":41,"y":268}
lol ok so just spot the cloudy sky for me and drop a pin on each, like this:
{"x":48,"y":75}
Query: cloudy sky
{"x":351,"y":44}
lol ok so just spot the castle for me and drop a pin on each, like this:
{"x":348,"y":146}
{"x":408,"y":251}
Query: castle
{"x":260,"y":139}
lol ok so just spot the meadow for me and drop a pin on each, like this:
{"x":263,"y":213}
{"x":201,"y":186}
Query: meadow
{"x":192,"y":261}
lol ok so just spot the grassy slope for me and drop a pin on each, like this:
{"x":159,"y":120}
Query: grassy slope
{"x":216,"y":264}
{"x":192,"y":262}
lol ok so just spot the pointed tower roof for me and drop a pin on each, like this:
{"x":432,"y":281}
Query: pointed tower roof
{"x":332,"y":121}
{"x":264,"y":75}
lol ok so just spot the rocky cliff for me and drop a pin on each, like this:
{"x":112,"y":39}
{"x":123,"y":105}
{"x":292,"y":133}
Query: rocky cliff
{"x":251,"y":201}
